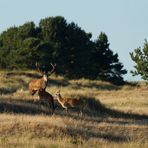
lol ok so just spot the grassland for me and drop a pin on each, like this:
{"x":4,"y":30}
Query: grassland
{"x":113,"y":116}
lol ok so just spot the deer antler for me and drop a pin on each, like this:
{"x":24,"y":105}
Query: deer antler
{"x":37,"y":66}
{"x":53,"y":68}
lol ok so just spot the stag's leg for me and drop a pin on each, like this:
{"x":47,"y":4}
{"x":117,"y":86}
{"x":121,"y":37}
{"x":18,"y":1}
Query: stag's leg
{"x":32,"y":93}
{"x":48,"y":105}
{"x":65,"y":108}
{"x":43,"y":103}
{"x":81,"y":113}
{"x":40,"y":105}
{"x":52,"y":106}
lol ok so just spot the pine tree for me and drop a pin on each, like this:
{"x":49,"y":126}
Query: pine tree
{"x":106,"y":62}
{"x":140,"y":57}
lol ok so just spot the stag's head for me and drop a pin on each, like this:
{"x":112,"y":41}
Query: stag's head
{"x":46,"y":73}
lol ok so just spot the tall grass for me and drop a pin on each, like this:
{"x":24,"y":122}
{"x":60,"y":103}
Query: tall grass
{"x":113,"y":116}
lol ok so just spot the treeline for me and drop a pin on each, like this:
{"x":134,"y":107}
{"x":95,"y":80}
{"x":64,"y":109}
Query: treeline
{"x":66,"y":44}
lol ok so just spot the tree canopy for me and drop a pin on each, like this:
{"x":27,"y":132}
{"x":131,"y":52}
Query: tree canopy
{"x":66,"y":44}
{"x":140,"y":57}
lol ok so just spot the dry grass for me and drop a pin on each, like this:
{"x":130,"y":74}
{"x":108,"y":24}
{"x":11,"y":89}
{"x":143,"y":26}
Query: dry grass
{"x":113,"y":116}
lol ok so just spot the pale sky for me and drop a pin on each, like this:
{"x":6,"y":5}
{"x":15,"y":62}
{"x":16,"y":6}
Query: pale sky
{"x":124,"y":21}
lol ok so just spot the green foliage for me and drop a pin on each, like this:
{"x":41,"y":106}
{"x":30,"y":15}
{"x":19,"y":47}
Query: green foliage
{"x":18,"y":47}
{"x":65,"y":44}
{"x":53,"y":29}
{"x":27,"y":30}
{"x":140,"y":57}
{"x":106,"y":62}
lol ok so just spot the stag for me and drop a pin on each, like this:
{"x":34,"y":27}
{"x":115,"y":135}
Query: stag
{"x":41,"y":83}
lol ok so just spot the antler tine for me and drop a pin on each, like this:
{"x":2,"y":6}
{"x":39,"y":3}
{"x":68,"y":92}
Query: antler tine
{"x":53,"y":65}
{"x":38,"y":69}
{"x":53,"y":68}
{"x":37,"y":66}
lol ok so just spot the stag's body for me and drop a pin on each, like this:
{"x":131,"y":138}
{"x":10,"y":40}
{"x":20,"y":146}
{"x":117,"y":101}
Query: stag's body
{"x":69,"y":102}
{"x":45,"y":97}
{"x":40,"y":84}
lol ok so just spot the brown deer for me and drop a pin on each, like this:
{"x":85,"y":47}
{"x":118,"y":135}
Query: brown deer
{"x":47,"y":98}
{"x":69,"y":102}
{"x":40,"y":84}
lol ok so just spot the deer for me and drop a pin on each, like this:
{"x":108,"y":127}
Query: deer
{"x":47,"y":98}
{"x":41,"y":83}
{"x":67,"y":103}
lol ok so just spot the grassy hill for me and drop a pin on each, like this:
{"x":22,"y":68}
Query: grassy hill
{"x":113,"y":116}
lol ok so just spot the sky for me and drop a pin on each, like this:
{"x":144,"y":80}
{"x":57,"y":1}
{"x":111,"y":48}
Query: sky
{"x":125,"y":22}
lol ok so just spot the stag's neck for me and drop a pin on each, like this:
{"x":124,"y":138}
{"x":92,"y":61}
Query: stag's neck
{"x":45,"y":78}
